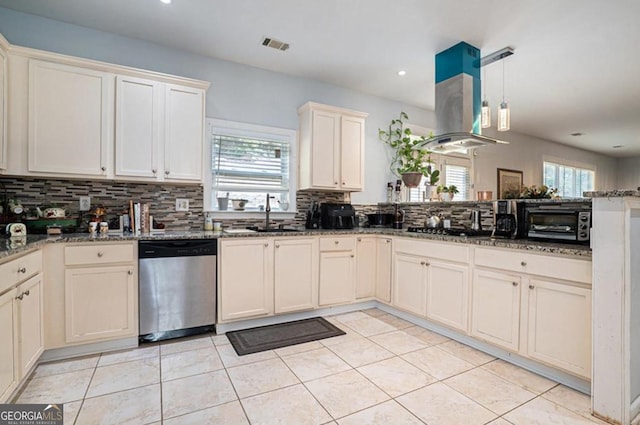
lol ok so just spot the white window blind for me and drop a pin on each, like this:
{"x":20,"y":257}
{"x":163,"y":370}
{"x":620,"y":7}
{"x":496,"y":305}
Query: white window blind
{"x":571,"y":182}
{"x":459,"y":176}
{"x":247,"y":164}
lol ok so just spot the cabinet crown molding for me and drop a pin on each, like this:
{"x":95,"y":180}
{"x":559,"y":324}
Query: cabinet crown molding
{"x":329,"y":108}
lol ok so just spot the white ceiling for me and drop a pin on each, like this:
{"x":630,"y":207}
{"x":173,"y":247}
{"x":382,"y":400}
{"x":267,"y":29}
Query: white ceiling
{"x":576,"y":66}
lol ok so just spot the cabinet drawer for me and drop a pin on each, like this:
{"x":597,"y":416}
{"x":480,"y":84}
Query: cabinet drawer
{"x":542,"y":265}
{"x":440,"y":250}
{"x":339,"y":243}
{"x":15,"y":271}
{"x":97,"y":253}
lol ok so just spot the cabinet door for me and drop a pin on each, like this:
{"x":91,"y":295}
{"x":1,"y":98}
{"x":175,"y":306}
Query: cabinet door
{"x":352,"y":153}
{"x":8,"y":344}
{"x":383,"y":269}
{"x":325,"y":136}
{"x":137,"y":127}
{"x":495,"y":311}
{"x":246,"y":279}
{"x":409,"y":286}
{"x":366,"y":253}
{"x":100,"y":303}
{"x":559,"y":329}
{"x":448,"y":293}
{"x":3,"y":109}
{"x":31,"y":337}
{"x":184,"y":133}
{"x":337,"y":277}
{"x":296,"y":274}
{"x":70,"y":119}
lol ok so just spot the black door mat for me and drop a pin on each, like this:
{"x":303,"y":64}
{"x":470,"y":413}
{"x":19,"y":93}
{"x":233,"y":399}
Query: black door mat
{"x":263,"y":338}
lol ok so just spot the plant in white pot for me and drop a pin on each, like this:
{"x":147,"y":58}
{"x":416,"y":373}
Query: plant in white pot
{"x":408,"y":161}
{"x":446,"y":193}
{"x":430,"y":185}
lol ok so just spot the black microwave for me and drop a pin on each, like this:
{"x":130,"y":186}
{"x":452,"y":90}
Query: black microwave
{"x":556,"y":223}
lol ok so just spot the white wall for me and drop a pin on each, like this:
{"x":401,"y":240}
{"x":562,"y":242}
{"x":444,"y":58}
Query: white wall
{"x":247,"y":94}
{"x":629,"y":173}
{"x":527,"y":153}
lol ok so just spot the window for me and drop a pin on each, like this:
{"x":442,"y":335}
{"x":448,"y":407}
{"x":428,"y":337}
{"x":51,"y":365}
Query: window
{"x":457,"y":171}
{"x":247,"y":162}
{"x":570,"y":181}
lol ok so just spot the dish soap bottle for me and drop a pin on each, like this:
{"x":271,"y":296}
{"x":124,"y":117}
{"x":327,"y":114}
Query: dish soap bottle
{"x":389,"y":192}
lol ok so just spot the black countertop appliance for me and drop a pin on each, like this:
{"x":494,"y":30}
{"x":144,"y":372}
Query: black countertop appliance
{"x":337,"y":216}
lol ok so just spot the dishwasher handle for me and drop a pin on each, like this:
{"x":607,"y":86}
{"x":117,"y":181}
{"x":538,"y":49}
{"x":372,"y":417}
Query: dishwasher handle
{"x":177,"y":248}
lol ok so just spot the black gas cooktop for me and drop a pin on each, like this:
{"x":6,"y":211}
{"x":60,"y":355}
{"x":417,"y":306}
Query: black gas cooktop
{"x":453,"y":231}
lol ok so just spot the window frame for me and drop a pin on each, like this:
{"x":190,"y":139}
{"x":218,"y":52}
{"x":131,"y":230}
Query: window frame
{"x":241,"y":129}
{"x":576,"y":166}
{"x":440,"y":162}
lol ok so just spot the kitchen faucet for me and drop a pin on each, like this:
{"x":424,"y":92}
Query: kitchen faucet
{"x":267,"y":210}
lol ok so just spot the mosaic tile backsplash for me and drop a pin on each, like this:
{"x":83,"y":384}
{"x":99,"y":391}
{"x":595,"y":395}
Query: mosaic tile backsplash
{"x":115,"y":196}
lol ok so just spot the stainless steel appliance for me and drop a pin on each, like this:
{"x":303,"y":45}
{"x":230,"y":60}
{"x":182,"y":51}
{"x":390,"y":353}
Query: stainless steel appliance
{"x":476,"y":219}
{"x":177,"y":281}
{"x":557,"y":222}
{"x":505,"y":219}
{"x":337,"y":216}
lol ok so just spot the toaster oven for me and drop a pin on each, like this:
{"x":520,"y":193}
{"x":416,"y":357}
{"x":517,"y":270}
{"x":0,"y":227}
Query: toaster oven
{"x":560,"y":223}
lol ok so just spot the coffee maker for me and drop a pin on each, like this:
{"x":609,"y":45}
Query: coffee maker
{"x":505,"y":219}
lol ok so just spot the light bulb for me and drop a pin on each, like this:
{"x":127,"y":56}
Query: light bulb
{"x":485,"y":117}
{"x":504,"y":117}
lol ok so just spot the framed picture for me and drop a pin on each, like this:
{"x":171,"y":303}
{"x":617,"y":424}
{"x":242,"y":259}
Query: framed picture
{"x":509,"y":183}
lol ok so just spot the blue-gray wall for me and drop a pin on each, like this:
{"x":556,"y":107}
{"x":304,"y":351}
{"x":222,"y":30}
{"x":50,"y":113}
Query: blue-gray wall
{"x":238,"y":92}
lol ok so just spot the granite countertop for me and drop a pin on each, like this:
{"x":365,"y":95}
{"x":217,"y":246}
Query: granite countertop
{"x":612,"y":193}
{"x":34,"y":241}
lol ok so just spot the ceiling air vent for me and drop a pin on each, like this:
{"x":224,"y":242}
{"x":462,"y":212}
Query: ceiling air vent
{"x":275,"y":44}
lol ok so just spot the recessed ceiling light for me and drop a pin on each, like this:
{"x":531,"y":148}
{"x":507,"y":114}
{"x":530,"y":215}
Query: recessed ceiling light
{"x":402,"y":73}
{"x":578,"y":134}
{"x":166,"y":1}
{"x":617,"y":146}
{"x":275,"y":44}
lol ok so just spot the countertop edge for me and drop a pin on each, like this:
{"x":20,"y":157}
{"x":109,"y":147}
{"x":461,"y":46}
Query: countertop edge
{"x":16,"y":246}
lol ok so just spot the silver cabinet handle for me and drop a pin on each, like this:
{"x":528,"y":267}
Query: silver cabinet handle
{"x":531,"y":287}
{"x":359,"y":239}
{"x":514,"y":283}
{"x":130,"y":272}
{"x":523,"y":263}
{"x":336,"y":242}
{"x":154,"y":171}
{"x":277,"y":246}
{"x":335,"y":183}
{"x":427,"y":264}
{"x":100,"y":254}
{"x":388,"y":240}
{"x":266,"y":245}
{"x":103,"y":168}
{"x":19,"y":297}
{"x":343,"y":183}
{"x":422,"y":263}
{"x":166,"y":173}
{"x":22,"y":270}
{"x":352,"y":255}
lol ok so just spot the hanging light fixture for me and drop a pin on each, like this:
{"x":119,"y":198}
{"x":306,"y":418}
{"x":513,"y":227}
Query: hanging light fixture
{"x":485,"y":116}
{"x":504,"y":115}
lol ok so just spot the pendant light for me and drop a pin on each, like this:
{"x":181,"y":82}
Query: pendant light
{"x":504,"y":115}
{"x":485,"y":112}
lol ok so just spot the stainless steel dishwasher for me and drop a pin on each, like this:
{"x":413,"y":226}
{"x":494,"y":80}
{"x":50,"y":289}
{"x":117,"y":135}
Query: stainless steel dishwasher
{"x":177,"y":282}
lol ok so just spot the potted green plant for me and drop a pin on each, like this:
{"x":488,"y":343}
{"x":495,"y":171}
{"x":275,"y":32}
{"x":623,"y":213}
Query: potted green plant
{"x":446,"y":193}
{"x":408,"y":161}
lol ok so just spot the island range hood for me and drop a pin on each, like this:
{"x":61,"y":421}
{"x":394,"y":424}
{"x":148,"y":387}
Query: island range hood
{"x":458,"y":102}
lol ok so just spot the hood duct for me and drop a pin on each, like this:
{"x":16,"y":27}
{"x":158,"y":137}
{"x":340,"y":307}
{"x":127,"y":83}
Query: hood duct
{"x":458,"y":102}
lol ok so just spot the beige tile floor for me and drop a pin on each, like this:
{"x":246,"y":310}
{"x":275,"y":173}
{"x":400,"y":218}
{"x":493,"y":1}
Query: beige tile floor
{"x":383,"y":371}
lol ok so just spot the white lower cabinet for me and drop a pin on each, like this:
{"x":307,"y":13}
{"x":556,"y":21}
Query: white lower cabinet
{"x":496,"y":308}
{"x":366,"y":270}
{"x":384,"y":254}
{"x":559,"y":325}
{"x":447,"y":293}
{"x":8,"y":344}
{"x":21,"y":320}
{"x":337,"y":271}
{"x":295,"y":274}
{"x":246,"y":278}
{"x":100,"y":303}
{"x":410,"y":283}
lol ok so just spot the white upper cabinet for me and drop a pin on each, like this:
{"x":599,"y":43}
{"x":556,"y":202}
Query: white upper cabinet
{"x":137,"y":127}
{"x":183,"y":133}
{"x":72,"y":117}
{"x":331,"y":148}
{"x":69,"y":119}
{"x":3,"y":102}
